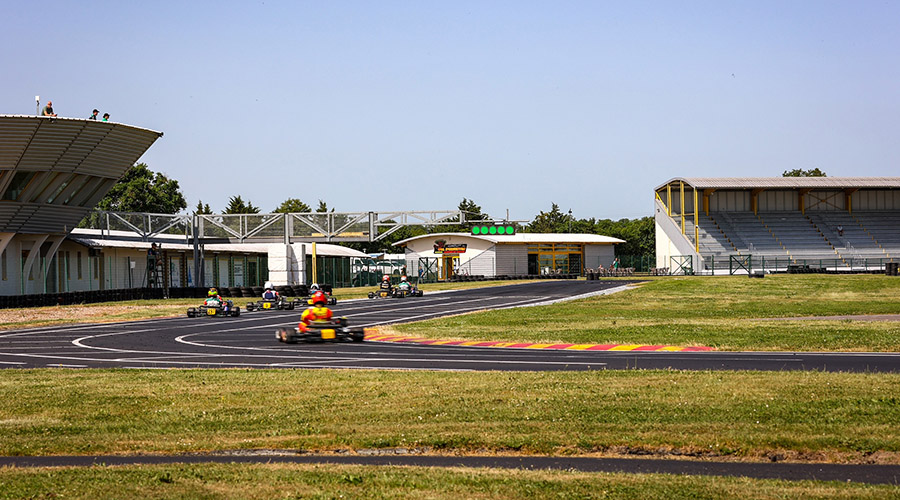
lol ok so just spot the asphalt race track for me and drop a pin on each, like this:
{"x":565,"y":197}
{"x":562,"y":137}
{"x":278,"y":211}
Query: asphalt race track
{"x":249,"y":341}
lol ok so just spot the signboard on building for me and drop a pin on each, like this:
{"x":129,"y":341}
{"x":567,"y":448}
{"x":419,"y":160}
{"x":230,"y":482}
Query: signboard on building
{"x":442,"y":247}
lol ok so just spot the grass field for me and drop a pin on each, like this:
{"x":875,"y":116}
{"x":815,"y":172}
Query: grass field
{"x":805,"y":416}
{"x":251,"y":482}
{"x":728,"y":313}
{"x":790,"y":416}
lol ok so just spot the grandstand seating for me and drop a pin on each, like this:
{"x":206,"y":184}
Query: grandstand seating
{"x":797,"y":236}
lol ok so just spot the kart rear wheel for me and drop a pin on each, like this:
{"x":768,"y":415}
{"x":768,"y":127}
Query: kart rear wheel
{"x":281,"y":334}
{"x":236,"y":312}
{"x":191,"y":313}
{"x":250,"y":307}
{"x":371,"y":295}
{"x":357,"y":336}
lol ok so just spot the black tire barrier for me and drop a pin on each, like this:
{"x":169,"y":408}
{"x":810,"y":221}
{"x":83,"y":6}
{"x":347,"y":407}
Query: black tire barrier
{"x":247,"y":292}
{"x":258,"y":291}
{"x":225,"y":292}
{"x":235,"y":291}
{"x":300,"y":290}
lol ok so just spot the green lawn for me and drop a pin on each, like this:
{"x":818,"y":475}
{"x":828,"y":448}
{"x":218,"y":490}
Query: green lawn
{"x":752,"y":415}
{"x":728,"y":313}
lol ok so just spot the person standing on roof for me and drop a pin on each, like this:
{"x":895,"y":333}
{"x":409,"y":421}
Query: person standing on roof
{"x":94,"y":115}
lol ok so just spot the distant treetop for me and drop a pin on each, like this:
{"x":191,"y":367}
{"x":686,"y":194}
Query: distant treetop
{"x":815,"y":172}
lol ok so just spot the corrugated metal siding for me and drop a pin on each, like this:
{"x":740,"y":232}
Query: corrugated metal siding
{"x":511,"y":260}
{"x":594,"y":255}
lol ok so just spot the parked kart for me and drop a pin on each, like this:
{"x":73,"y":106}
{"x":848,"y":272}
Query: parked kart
{"x":334,"y":330}
{"x":279,"y":303}
{"x":213,"y":307}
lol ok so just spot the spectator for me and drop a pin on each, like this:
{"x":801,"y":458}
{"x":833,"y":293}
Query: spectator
{"x":105,"y":117}
{"x":615,"y":264}
{"x":94,"y":115}
{"x":48,"y":109}
{"x":840,"y":229}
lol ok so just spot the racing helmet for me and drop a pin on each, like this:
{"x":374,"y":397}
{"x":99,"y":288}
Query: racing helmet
{"x":314,"y":287}
{"x":268,"y":285}
{"x":319,"y":298}
{"x":212,"y":292}
{"x":402,"y":278}
{"x":385,"y":278}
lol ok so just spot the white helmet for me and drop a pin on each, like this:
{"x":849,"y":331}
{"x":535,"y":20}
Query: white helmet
{"x":313,"y":287}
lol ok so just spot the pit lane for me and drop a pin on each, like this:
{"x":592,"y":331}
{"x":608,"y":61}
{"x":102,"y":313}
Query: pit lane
{"x":248,"y":341}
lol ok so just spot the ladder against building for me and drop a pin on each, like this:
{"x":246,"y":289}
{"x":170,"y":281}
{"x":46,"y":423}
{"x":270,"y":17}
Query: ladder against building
{"x":155,"y":268}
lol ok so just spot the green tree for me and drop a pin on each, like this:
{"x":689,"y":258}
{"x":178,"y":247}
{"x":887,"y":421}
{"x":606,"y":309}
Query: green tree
{"x":323,"y":207}
{"x":202,"y":209}
{"x":142,"y":190}
{"x":292,"y":205}
{"x":554,"y":221}
{"x":814,"y":172}
{"x":472,"y":213}
{"x":237,"y":206}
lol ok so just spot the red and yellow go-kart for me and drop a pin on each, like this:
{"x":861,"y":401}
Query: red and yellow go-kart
{"x":334,"y":330}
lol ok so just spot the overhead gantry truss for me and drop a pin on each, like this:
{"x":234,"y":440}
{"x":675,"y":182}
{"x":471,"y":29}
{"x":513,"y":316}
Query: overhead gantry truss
{"x":323,"y":227}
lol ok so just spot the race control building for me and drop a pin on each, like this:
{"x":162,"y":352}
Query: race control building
{"x":517,"y":254}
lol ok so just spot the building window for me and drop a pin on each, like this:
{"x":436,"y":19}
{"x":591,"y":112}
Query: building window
{"x":68,"y":267}
{"x":18,"y":184}
{"x":78,"y":264}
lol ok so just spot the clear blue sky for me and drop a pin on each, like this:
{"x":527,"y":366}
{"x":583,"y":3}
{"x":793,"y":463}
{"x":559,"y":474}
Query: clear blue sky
{"x":516,"y":105}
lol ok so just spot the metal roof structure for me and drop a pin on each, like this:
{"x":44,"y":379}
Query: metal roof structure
{"x":53,"y":171}
{"x":786,"y":182}
{"x":526,"y":238}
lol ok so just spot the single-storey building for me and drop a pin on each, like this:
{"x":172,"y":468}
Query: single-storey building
{"x":507,"y":255}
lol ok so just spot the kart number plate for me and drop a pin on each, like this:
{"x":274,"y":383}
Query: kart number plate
{"x":211,"y":311}
{"x":328,"y":334}
{"x":267,"y":305}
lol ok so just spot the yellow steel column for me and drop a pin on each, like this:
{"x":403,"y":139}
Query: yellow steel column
{"x":315,"y":275}
{"x":696,"y":224}
{"x":848,"y":199}
{"x":669,"y":198}
{"x":682,"y":207}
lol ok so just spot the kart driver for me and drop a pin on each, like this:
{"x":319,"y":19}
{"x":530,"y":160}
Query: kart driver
{"x":213,"y":299}
{"x":318,"y":311}
{"x":404,"y":283}
{"x":385,"y":282}
{"x":269,"y":293}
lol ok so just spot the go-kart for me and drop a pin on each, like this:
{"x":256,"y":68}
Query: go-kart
{"x":401,"y":292}
{"x":213,"y":307}
{"x":333,"y":330}
{"x":382,"y":293}
{"x":397,"y":292}
{"x":279,"y":303}
{"x":303,"y":301}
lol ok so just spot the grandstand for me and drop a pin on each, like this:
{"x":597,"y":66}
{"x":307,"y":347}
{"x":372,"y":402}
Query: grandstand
{"x":728,"y":225}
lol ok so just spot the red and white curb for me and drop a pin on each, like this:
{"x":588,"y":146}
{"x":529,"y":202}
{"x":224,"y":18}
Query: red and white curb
{"x":525,"y":345}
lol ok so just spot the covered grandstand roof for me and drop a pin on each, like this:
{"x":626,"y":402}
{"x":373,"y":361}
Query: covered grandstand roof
{"x":54,"y":170}
{"x":527,"y":238}
{"x":786,"y":182}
